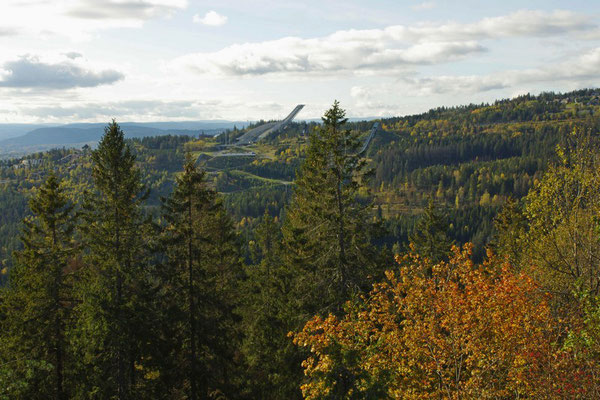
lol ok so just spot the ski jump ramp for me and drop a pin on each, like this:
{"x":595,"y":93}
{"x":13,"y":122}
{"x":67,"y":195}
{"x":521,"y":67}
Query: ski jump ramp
{"x":265,"y":130}
{"x":374,"y":130}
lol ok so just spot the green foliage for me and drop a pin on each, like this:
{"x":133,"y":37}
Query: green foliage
{"x":561,"y":214}
{"x":430,"y":237}
{"x":327,"y":231}
{"x":166,"y":310}
{"x":114,"y":314}
{"x":273,"y":363}
{"x":200,"y":283}
{"x":455,"y":155}
{"x":20,"y":380}
{"x":510,"y":225}
{"x":37,"y":306}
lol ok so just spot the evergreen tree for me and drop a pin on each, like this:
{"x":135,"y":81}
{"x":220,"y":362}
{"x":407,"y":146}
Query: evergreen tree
{"x":510,"y":226}
{"x":430,"y":237}
{"x":328,"y":229}
{"x":202,"y":269}
{"x":273,"y":362}
{"x":38,"y":304}
{"x":115,"y":311}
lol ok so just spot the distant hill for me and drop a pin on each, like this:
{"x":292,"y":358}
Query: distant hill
{"x":13,"y":130}
{"x":22,"y":139}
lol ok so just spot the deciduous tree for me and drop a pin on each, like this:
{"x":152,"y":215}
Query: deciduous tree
{"x":450,"y":330}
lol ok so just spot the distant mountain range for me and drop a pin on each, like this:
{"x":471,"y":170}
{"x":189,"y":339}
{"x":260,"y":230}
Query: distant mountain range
{"x":18,"y":139}
{"x":13,"y":130}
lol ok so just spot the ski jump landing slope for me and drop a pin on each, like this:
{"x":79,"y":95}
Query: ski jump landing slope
{"x":263,"y":131}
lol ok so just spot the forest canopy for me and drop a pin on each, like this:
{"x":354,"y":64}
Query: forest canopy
{"x":456,"y":258}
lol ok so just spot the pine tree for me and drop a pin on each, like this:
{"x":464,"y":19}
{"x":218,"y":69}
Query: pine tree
{"x":327,"y":229}
{"x":114,"y":311}
{"x":203,"y":267}
{"x":38,"y":304}
{"x":430,"y":237}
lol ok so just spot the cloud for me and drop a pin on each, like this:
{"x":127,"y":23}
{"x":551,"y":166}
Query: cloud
{"x":211,"y":18}
{"x":374,"y":101}
{"x":122,"y":109}
{"x":524,"y":23}
{"x":426,"y":5}
{"x":73,"y":55}
{"x":584,"y":70}
{"x":532,"y":23}
{"x":77,"y":19}
{"x":29,"y":72}
{"x":321,"y":56}
{"x":4,"y":31}
{"x":123,"y":9}
{"x":150,"y":110}
{"x":387,"y":50}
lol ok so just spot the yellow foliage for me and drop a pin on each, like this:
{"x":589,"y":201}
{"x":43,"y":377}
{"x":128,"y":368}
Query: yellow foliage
{"x":451,"y":330}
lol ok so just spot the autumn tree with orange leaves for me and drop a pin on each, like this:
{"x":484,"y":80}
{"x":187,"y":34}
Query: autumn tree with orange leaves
{"x":450,"y":330}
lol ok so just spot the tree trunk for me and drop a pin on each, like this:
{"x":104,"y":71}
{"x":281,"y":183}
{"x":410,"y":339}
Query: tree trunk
{"x":341,"y":238}
{"x":121,"y":386}
{"x":193,"y":389}
{"x":58,"y":348}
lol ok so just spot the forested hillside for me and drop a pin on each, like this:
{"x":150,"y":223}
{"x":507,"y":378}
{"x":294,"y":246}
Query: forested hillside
{"x":468,"y":159}
{"x":190,"y":267}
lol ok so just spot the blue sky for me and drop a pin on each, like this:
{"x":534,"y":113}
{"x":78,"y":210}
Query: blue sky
{"x":150,"y":60}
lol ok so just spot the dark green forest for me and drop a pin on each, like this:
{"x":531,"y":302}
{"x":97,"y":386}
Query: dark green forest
{"x":162,"y":267}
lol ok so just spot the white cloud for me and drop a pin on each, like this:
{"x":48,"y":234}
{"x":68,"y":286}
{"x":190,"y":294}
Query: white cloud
{"x":426,"y":5}
{"x":373,"y":101}
{"x":518,"y":24}
{"x":333,"y":54}
{"x":584,"y":69}
{"x":78,"y":18}
{"x":73,"y":55}
{"x":31,"y":72}
{"x":142,"y":110}
{"x":211,"y":18}
{"x":123,"y":9}
{"x":152,"y":109}
{"x":387,"y":50}
{"x":8,"y":31}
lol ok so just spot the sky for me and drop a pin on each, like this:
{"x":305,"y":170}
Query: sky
{"x":67,"y":61}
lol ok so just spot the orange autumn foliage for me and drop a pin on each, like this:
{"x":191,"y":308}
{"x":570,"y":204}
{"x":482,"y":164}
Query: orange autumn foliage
{"x":452,"y":330}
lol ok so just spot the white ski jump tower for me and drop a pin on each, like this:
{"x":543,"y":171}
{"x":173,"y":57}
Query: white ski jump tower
{"x":265,"y":130}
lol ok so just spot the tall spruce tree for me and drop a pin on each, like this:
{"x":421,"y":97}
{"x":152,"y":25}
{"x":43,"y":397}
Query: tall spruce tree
{"x":510,"y":226}
{"x":273,"y":362}
{"x":200,"y":288}
{"x":430,"y":237}
{"x":328,"y":230}
{"x":38,"y":304}
{"x":114,"y":312}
